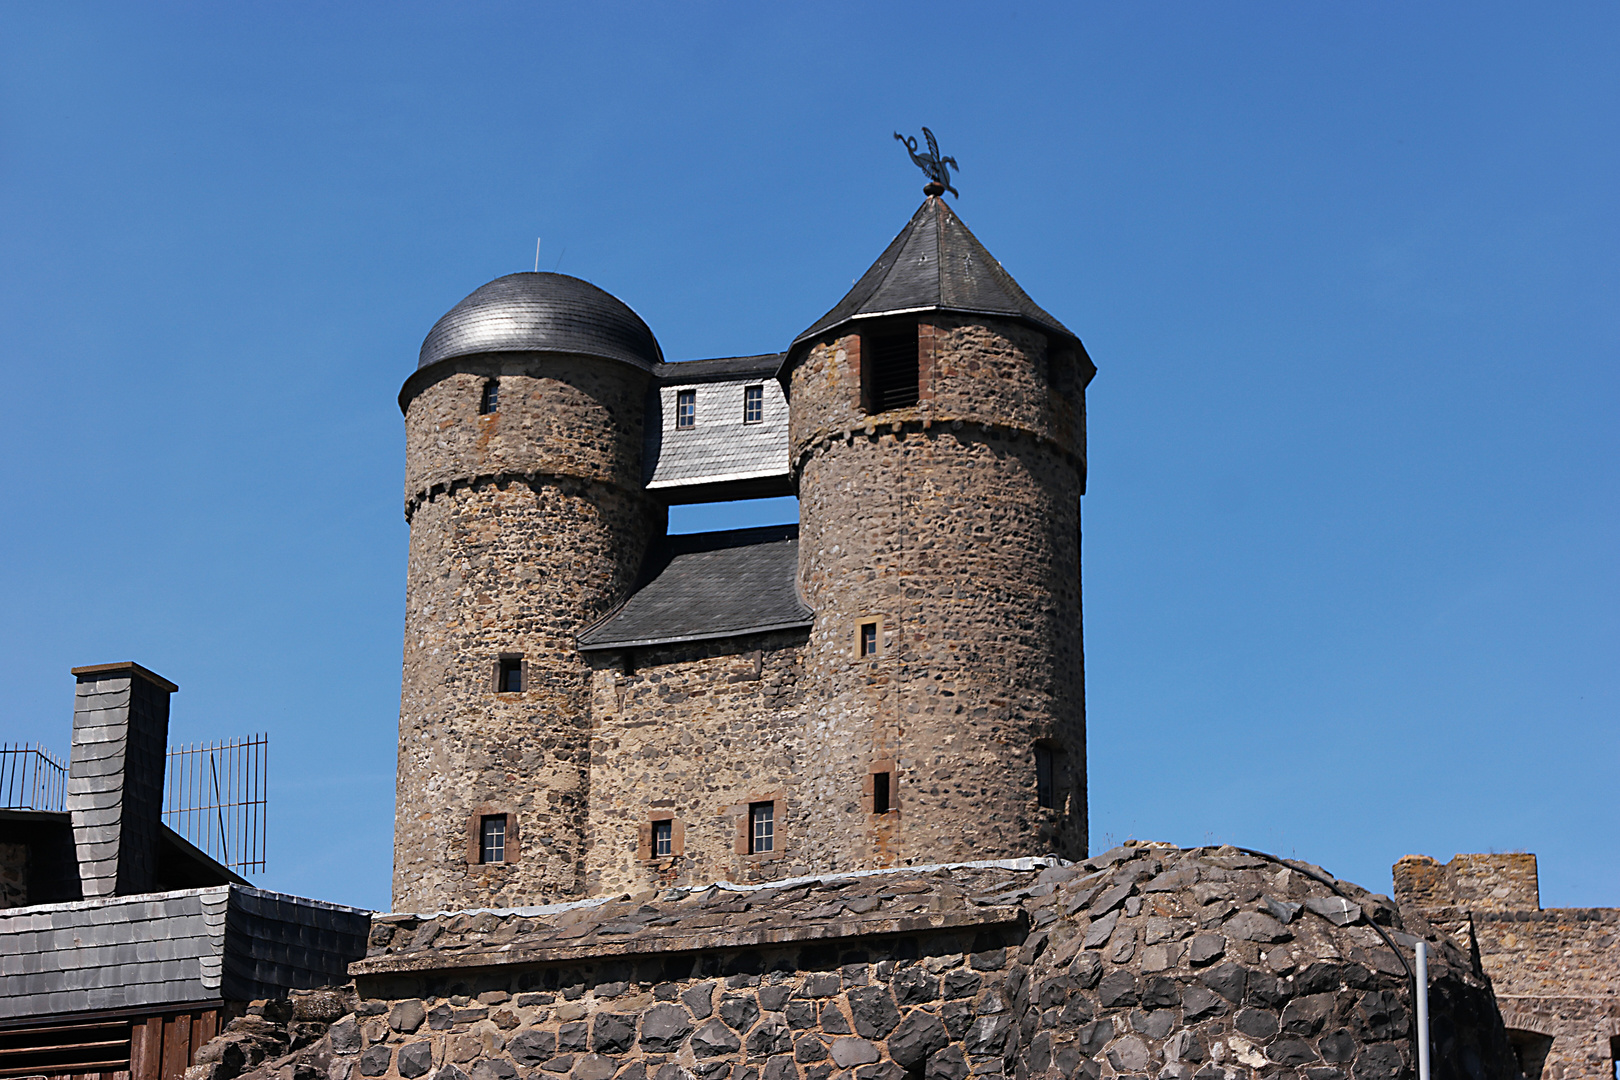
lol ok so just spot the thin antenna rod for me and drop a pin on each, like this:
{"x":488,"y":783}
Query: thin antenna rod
{"x":537,"y":254}
{"x":560,"y":254}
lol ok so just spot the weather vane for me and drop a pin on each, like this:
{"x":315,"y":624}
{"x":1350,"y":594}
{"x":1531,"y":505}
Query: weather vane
{"x":936,"y":167}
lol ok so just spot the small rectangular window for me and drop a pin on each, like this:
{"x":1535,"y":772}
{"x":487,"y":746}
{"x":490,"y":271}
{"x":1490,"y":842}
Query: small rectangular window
{"x":685,"y":408}
{"x":889,"y":370}
{"x":491,"y":398}
{"x":761,"y":827}
{"x":492,"y":838}
{"x":510,"y":680}
{"x":869,"y":639}
{"x":880,"y":793}
{"x":663,"y":838}
{"x":753,"y":404}
{"x":1044,"y":793}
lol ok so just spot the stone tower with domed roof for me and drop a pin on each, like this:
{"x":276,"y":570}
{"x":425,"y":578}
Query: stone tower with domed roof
{"x":591,"y":705}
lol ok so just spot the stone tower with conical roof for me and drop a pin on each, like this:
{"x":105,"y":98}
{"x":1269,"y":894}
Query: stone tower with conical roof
{"x":590,"y":705}
{"x":938,"y":443}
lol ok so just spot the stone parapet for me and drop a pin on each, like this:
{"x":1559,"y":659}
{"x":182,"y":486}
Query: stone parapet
{"x":1556,"y":971}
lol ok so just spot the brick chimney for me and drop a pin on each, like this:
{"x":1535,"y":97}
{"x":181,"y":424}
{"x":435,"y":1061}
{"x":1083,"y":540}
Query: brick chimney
{"x":115,"y":779}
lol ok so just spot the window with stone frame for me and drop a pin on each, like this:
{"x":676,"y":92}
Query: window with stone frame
{"x":489,"y":401}
{"x":761,"y":827}
{"x":880,"y":792}
{"x":492,"y":838}
{"x":660,"y":836}
{"x":509,"y":674}
{"x":869,"y":638}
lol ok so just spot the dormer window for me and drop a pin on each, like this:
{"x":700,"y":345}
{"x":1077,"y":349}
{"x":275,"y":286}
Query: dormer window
{"x":753,"y":404}
{"x":685,"y":408}
{"x":889,"y":369}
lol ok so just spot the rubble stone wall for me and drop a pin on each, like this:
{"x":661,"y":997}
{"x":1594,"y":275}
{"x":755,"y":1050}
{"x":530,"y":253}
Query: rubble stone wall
{"x":959,"y":536}
{"x":1556,"y":971}
{"x":526,"y":525}
{"x":1147,"y":961}
{"x":693,"y":734}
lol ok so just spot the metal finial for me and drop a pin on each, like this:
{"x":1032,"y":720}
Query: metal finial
{"x":937,"y":168}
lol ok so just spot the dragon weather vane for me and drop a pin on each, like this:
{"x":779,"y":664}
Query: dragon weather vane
{"x":937,"y":168}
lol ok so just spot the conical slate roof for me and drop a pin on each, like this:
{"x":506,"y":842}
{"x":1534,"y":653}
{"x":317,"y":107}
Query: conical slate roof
{"x":935,"y":264}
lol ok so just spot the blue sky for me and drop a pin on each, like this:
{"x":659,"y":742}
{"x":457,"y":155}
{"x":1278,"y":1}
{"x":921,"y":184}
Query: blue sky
{"x":1349,"y":274}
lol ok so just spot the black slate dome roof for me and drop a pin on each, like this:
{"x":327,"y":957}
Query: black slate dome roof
{"x":541,"y":312}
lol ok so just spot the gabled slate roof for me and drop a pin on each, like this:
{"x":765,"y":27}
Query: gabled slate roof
{"x":710,"y":585}
{"x":935,"y":264}
{"x":762,"y":366}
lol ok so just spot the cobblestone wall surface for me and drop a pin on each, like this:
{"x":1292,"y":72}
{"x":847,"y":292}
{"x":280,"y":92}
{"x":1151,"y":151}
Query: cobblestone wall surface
{"x":1556,"y":971}
{"x":960,"y":538}
{"x":1210,"y":964}
{"x":529,"y":524}
{"x":693,"y":734}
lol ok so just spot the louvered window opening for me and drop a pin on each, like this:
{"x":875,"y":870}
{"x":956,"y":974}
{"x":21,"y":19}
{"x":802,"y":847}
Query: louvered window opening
{"x":891,"y":367}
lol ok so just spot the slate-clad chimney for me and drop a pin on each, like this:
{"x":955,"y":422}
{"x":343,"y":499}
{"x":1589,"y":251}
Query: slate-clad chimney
{"x":115,"y":780}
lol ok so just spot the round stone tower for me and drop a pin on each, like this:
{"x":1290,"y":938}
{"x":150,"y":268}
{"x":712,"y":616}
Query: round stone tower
{"x":523,"y":489}
{"x":938,"y":440}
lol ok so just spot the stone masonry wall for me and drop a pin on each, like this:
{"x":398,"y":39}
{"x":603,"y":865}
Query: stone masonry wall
{"x":1556,"y":971}
{"x":1147,"y":961}
{"x":526,"y":525}
{"x":692,"y":734}
{"x":960,"y":537}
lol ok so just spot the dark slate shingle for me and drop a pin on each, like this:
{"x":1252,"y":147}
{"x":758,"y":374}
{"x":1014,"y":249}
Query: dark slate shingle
{"x":711,"y":585}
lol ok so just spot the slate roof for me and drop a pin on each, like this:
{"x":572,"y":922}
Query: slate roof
{"x":719,"y":455}
{"x":935,"y":264}
{"x":541,"y":312}
{"x":228,"y":941}
{"x":762,"y":366}
{"x":710,"y":585}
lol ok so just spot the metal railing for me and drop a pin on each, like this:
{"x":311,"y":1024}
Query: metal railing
{"x":31,"y":779}
{"x":217,"y":798}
